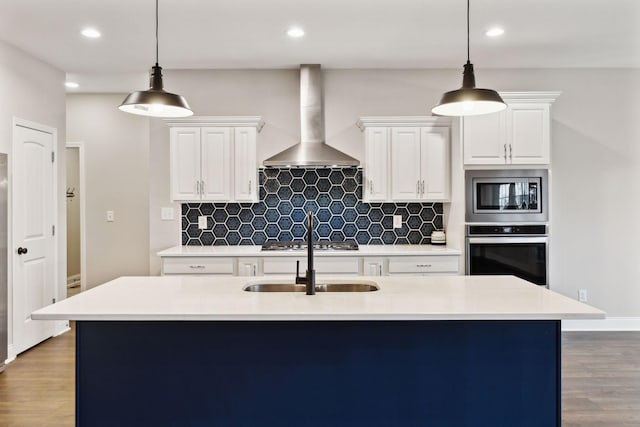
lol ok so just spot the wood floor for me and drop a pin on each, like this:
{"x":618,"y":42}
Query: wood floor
{"x":600,"y":382}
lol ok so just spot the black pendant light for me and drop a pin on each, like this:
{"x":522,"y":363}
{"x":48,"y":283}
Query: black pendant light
{"x":468,"y":100}
{"x":155,"y":102}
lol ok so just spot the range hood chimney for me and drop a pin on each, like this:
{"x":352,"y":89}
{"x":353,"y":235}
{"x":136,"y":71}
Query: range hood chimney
{"x":312,"y":151}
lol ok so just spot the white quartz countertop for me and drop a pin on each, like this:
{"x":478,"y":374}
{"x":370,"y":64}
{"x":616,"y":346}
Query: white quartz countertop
{"x":254,"y":251}
{"x":206,"y":298}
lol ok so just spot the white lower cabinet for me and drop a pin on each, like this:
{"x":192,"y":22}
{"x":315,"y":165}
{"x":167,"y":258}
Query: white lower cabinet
{"x":373,"y":266}
{"x":423,"y":265}
{"x":323,"y":265}
{"x":199,"y":265}
{"x":248,"y":267}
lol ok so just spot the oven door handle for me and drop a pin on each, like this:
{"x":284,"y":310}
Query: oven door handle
{"x":501,"y":240}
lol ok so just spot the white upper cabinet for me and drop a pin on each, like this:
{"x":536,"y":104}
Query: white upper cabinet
{"x":185,"y":163}
{"x":405,"y":163}
{"x":215,"y":152}
{"x":435,"y":162}
{"x":214,"y":158}
{"x":375,"y":181}
{"x":519,"y":135}
{"x":246,"y":172}
{"x":406,"y":158}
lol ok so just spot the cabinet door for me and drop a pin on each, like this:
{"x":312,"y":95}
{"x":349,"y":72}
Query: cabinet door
{"x":185,"y":163}
{"x":215,"y":155}
{"x":405,"y":163}
{"x":528,"y":133}
{"x":424,"y":265}
{"x":436,"y":164}
{"x":248,"y":266}
{"x":372,"y":266}
{"x":375,"y":182}
{"x":485,"y":140}
{"x":198,"y":265}
{"x":246,"y":171}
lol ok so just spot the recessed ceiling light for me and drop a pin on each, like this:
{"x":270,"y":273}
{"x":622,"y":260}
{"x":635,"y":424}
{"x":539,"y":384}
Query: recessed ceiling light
{"x":494,"y":32}
{"x":295,"y":32}
{"x":72,"y":85}
{"x":91,"y":33}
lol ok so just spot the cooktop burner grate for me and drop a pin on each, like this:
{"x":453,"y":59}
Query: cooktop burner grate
{"x":326,"y":245}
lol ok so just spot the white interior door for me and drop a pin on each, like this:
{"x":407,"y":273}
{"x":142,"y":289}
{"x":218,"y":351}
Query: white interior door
{"x":34,"y":279}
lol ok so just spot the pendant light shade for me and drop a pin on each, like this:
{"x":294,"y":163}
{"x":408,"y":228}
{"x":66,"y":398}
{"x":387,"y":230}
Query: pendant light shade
{"x":469,"y":100}
{"x":155,"y":101}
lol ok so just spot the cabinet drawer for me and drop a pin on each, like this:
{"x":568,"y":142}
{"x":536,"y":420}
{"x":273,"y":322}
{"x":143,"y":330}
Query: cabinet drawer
{"x":198,"y":265}
{"x":424,"y":264}
{"x":287,"y":265}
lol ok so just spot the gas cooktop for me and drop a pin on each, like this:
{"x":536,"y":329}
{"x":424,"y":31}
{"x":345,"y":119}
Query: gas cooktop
{"x":327,"y":245}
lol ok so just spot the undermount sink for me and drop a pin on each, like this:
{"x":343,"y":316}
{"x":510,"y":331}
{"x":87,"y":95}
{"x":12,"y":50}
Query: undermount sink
{"x":360,"y":286}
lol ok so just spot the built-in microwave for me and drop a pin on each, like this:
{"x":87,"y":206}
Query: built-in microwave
{"x":507,"y":195}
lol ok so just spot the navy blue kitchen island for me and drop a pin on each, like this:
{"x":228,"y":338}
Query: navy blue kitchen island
{"x":395,"y":358}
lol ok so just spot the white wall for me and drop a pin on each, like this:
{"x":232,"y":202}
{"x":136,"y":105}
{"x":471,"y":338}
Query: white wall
{"x":117,"y":179}
{"x":595,"y":154}
{"x":33,"y":90}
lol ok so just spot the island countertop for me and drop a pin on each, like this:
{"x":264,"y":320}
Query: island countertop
{"x":206,"y":298}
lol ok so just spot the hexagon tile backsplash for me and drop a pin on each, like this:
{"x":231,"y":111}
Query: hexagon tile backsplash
{"x":334,"y":195}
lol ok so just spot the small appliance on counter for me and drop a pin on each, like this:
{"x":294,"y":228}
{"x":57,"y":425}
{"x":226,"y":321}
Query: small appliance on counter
{"x":438,"y":237}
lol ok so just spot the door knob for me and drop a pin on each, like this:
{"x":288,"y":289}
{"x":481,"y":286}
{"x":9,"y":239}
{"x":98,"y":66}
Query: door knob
{"x":22,"y":251}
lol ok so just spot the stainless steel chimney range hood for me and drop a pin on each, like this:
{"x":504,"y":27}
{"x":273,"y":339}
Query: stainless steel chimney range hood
{"x":312,"y":151}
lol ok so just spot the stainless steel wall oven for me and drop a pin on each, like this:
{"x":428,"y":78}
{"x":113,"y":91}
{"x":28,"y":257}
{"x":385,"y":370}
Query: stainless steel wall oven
{"x":519,"y":250}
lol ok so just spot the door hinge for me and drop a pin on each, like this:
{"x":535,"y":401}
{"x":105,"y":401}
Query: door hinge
{"x":53,"y":230}
{"x":53,"y":157}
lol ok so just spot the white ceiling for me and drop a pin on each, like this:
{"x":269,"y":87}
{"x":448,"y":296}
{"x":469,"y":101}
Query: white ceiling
{"x":200,"y":34}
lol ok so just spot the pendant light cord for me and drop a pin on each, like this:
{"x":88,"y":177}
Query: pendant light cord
{"x":467,"y":30}
{"x":157,"y":32}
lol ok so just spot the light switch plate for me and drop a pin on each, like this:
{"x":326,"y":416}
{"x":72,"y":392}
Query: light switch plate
{"x":110,"y":216}
{"x":166,"y":214}
{"x":202,"y":222}
{"x":397,"y":221}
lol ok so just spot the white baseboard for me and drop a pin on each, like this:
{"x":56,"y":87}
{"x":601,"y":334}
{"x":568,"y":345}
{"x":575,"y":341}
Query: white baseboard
{"x":61,"y":327}
{"x":608,"y":324}
{"x":11,"y":353}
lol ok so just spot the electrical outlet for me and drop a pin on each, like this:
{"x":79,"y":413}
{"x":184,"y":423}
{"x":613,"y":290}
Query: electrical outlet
{"x":110,"y":216}
{"x":397,"y":221}
{"x":582,"y":295}
{"x":202,"y":222}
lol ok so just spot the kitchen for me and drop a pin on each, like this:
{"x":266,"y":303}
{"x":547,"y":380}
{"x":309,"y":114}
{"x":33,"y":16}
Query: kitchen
{"x":592,"y":154}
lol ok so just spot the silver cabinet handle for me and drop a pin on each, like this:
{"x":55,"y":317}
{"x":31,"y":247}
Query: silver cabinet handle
{"x":255,"y":269}
{"x":505,"y":153}
{"x":249,"y":186}
{"x":371,"y":185}
{"x":510,"y":153}
{"x":196,"y":267}
{"x":380,"y":269}
{"x":423,"y":265}
{"x":423,"y":188}
{"x":198,"y":188}
{"x":202,"y":188}
{"x":417,"y":187}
